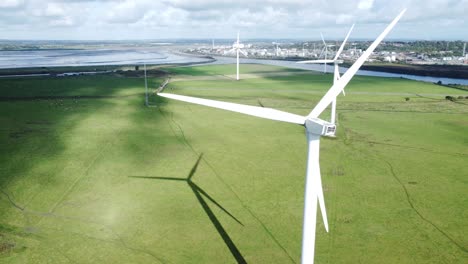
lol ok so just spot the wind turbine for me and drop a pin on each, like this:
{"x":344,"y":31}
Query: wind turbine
{"x":237,"y":47}
{"x":314,"y":128}
{"x":146,"y":87}
{"x":277,"y":49}
{"x":325,"y":49}
{"x":336,"y":75}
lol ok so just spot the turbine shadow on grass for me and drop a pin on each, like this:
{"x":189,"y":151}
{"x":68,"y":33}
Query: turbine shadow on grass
{"x":200,"y":194}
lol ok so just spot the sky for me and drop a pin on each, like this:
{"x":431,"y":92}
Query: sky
{"x":207,"y":19}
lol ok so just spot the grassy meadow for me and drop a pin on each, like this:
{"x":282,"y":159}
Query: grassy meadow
{"x":88,"y":174}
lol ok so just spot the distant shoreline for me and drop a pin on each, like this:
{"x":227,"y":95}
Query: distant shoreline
{"x":430,"y":70}
{"x":435,"y":71}
{"x":445,"y":71}
{"x":86,"y":70}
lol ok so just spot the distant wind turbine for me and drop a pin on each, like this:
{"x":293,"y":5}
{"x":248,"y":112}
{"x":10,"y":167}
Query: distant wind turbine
{"x":277,"y":49}
{"x":336,"y":75}
{"x":237,"y":47}
{"x":325,"y":48}
{"x":146,"y":87}
{"x":315,"y":128}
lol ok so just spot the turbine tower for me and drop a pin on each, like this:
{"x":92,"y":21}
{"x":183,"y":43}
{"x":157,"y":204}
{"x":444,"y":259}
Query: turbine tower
{"x":325,"y":48}
{"x":315,"y":128}
{"x":277,"y":49}
{"x":146,"y":87}
{"x":336,"y":74}
{"x":237,"y":47}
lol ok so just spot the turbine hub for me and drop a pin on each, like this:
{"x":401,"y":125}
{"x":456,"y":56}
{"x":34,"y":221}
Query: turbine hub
{"x":320,"y":127}
{"x":237,"y":46}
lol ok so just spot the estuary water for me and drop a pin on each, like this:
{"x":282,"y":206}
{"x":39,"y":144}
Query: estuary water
{"x":158,"y":55}
{"x":91,"y":57}
{"x":320,"y":67}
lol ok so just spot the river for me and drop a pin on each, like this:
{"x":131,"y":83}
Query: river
{"x":319,"y":67}
{"x":158,"y":55}
{"x":91,"y":57}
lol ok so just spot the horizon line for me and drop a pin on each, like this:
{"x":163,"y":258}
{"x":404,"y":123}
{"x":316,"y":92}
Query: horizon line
{"x":227,"y":39}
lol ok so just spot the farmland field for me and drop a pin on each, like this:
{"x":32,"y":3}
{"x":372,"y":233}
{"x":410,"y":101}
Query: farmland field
{"x":88,"y":174}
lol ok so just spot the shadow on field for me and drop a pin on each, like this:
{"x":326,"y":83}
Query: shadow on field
{"x":200,"y":194}
{"x":77,"y":97}
{"x":39,"y":115}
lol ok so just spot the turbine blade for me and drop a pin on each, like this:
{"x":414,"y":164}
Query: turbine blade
{"x":315,"y":61}
{"x":321,"y":199}
{"x":262,"y":112}
{"x":323,"y":40}
{"x":313,"y":173}
{"x":338,"y":53}
{"x":237,"y":37}
{"x":321,"y":52}
{"x":333,"y":112}
{"x":243,"y":52}
{"x":336,"y":75}
{"x":346,"y":78}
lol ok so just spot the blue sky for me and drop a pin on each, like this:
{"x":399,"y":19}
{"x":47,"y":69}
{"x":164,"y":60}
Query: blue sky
{"x":163,"y":19}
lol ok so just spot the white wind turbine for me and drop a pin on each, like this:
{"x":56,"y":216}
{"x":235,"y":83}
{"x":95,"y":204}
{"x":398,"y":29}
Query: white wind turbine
{"x":314,"y":128}
{"x":336,"y":73}
{"x":277,"y":49}
{"x":237,"y":47}
{"x":325,"y":49}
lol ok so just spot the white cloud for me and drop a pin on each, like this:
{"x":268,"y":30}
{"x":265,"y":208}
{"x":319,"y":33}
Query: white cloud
{"x":128,"y":11}
{"x":62,"y":22}
{"x":11,"y":3}
{"x":207,"y":18}
{"x":54,"y":10}
{"x":365,"y":4}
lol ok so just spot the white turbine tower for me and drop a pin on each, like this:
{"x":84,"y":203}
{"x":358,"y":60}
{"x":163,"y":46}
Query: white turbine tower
{"x":325,"y":49}
{"x":237,"y":47}
{"x":336,"y":75}
{"x":314,"y":128}
{"x":277,"y":49}
{"x":146,"y":87}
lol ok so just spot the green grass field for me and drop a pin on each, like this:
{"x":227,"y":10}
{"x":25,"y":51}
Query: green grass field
{"x":88,"y":174}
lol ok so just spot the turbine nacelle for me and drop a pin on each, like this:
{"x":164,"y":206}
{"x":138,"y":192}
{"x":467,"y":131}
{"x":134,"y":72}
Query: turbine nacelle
{"x":237,"y":45}
{"x":320,"y":127}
